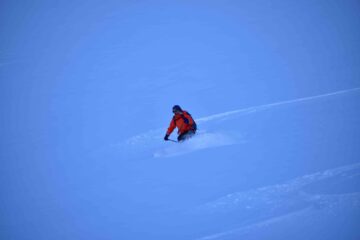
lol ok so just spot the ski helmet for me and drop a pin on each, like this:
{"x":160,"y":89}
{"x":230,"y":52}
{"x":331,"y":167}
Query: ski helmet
{"x":176,"y":108}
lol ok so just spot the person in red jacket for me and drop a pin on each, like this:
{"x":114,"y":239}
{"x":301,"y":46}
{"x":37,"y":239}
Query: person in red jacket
{"x":184,"y":122}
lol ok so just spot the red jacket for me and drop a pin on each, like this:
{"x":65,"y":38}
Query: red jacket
{"x":183,"y":121}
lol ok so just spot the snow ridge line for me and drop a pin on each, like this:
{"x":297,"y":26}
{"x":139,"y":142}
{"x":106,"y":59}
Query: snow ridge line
{"x":232,"y":200}
{"x":243,"y":230}
{"x":267,"y":106}
{"x":238,"y":199}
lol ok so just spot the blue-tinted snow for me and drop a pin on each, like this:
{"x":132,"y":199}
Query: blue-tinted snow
{"x":86,"y":91}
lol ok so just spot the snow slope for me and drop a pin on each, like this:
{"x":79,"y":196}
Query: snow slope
{"x":86,"y":91}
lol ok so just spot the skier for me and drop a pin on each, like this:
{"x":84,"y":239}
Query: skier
{"x":184,"y":122}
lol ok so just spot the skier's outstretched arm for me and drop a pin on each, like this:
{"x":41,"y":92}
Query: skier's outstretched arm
{"x":170,"y":129}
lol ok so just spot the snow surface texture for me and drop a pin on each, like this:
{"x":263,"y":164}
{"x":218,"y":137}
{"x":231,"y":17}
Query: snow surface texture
{"x":86,"y":91}
{"x":294,"y":201}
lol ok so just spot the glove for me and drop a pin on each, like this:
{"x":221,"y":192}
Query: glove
{"x":166,"y":138}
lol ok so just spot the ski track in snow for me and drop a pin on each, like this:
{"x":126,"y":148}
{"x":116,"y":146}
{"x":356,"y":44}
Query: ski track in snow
{"x":250,"y":110}
{"x":150,"y":140}
{"x":283,"y":201}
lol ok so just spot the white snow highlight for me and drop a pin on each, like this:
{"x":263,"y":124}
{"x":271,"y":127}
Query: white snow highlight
{"x":250,"y":110}
{"x":198,"y":142}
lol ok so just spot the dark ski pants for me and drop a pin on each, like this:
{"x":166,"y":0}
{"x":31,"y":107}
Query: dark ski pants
{"x":186,"y":135}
